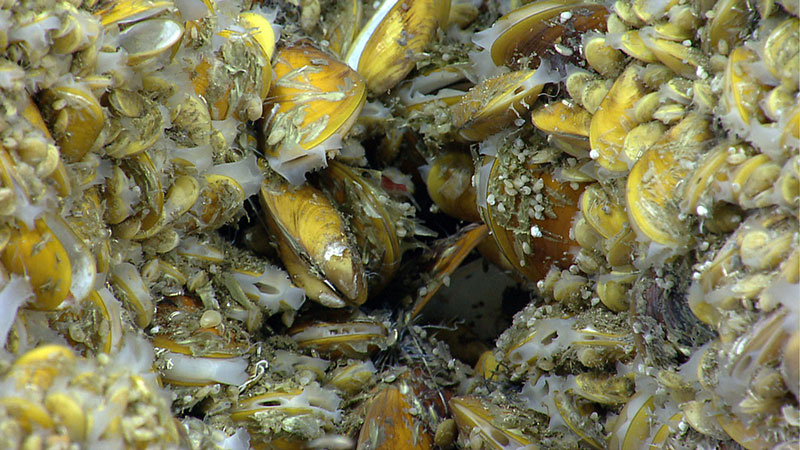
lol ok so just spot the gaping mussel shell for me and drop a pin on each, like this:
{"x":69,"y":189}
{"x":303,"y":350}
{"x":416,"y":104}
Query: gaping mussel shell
{"x":381,"y":225}
{"x":540,"y":30}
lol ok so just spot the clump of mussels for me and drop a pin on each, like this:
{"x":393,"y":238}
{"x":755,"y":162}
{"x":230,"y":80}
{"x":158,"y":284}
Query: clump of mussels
{"x":178,"y":176}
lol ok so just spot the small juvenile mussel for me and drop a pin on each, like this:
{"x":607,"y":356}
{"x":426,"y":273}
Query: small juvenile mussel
{"x":553,"y":224}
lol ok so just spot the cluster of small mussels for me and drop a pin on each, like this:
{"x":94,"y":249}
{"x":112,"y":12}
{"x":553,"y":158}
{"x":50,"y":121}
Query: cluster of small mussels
{"x":632,"y":165}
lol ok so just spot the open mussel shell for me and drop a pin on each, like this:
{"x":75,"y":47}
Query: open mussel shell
{"x":311,"y":399}
{"x":314,"y":243}
{"x":378,"y":223}
{"x":385,"y":50}
{"x":475,"y":418}
{"x":448,"y":254}
{"x":130,"y":286}
{"x":198,"y":348}
{"x":445,"y":84}
{"x":149,"y":39}
{"x":312,"y":105}
{"x":667,"y":328}
{"x":495,"y":103}
{"x":540,"y":29}
{"x":357,"y":338}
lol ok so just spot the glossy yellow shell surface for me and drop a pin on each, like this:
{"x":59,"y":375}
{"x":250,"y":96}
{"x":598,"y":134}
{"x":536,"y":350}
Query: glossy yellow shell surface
{"x":385,"y":49}
{"x":493,"y":104}
{"x":313,"y":229}
{"x":614,"y":119}
{"x":314,"y":101}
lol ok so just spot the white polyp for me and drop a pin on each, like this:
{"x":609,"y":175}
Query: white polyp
{"x":240,"y":440}
{"x":193,"y":248}
{"x":272,"y":289}
{"x":14,"y":294}
{"x":293,"y":162}
{"x":192,"y":9}
{"x":35,"y":34}
{"x":188,"y":369}
{"x":245,"y":172}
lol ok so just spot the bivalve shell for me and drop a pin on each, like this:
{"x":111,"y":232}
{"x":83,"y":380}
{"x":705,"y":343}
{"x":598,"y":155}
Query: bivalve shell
{"x":312,"y":105}
{"x":387,"y":46}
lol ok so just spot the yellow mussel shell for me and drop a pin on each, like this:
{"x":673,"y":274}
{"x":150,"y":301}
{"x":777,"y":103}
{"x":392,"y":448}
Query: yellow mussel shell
{"x":782,"y":52}
{"x":352,"y":339}
{"x":314,"y":101}
{"x":75,"y":127}
{"x":218,"y":201}
{"x":615,"y":118}
{"x":68,"y":412}
{"x":648,"y":11}
{"x":142,"y":170}
{"x":495,"y":103}
{"x":688,"y":62}
{"x":605,"y":215}
{"x":632,"y":427}
{"x":473,"y":417}
{"x":131,"y":11}
{"x":111,"y":310}
{"x":449,"y":183}
{"x":53,"y":258}
{"x":27,"y":412}
{"x":528,"y":33}
{"x":315,"y":233}
{"x":548,"y":243}
{"x":39,"y":367}
{"x":237,"y":82}
{"x":651,"y":186}
{"x":741,"y":92}
{"x":385,"y":50}
{"x":262,"y":31}
{"x":631,"y":43}
{"x":726,"y":29}
{"x":389,"y":416}
{"x":374,"y":222}
{"x":566,"y":124}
